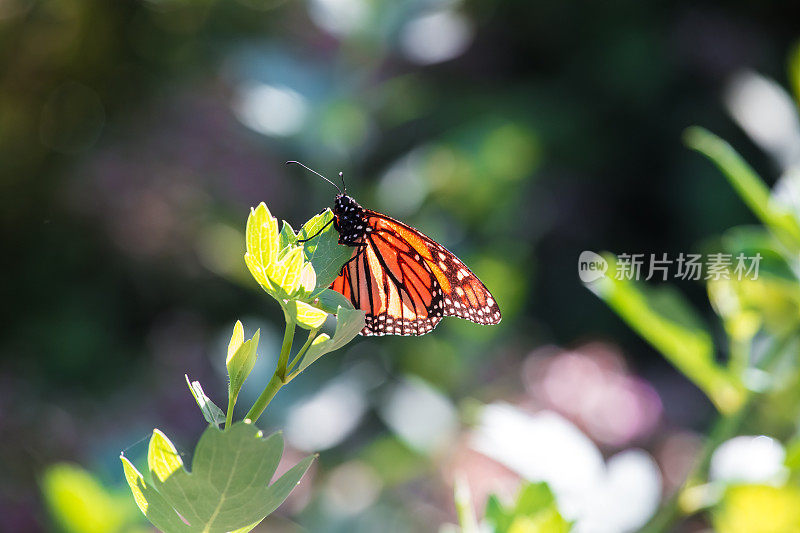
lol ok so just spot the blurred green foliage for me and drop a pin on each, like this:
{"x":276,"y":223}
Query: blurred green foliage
{"x":756,"y":310}
{"x":79,"y":503}
{"x":758,"y":508}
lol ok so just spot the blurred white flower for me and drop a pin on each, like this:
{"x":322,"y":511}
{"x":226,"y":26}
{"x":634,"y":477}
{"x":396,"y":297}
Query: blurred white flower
{"x":602,"y":498}
{"x":767,"y":113}
{"x":750,"y":459}
{"x":627,"y":496}
{"x":327,"y":417}
{"x":351,"y":488}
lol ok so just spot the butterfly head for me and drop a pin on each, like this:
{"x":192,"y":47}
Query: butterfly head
{"x":349,"y":219}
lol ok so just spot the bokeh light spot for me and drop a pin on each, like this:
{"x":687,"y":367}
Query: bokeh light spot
{"x":272,"y":110}
{"x":436,"y":37}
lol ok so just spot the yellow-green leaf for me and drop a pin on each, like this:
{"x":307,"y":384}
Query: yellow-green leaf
{"x":241,"y":363}
{"x":535,"y":511}
{"x":758,"y":509}
{"x":162,"y":457}
{"x":262,"y":242}
{"x":151,"y":503}
{"x":259,"y":273}
{"x":237,"y":338}
{"x":305,"y":315}
{"x":348,"y":323}
{"x":286,"y":274}
{"x":287,"y":236}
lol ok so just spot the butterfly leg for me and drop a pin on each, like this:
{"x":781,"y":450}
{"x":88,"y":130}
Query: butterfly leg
{"x":317,"y":233}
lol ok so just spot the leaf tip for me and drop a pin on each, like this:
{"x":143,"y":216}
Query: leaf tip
{"x":698,"y":138}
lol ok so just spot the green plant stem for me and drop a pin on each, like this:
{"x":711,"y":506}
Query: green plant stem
{"x":286,"y":348}
{"x":278,"y":379}
{"x":739,"y":357}
{"x":299,"y":357}
{"x":267,"y":395}
{"x":229,"y":414}
{"x":724,"y":428}
{"x":463,"y":501}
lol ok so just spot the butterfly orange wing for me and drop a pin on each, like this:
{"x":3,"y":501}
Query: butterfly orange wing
{"x":406,"y":282}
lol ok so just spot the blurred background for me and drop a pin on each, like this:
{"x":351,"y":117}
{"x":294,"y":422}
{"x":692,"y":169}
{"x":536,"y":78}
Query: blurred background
{"x":136,"y":134}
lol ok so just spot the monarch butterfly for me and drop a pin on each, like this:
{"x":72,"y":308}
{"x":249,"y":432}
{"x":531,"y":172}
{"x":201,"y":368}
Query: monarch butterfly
{"x":403,"y":280}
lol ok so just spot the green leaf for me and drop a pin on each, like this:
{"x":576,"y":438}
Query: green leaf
{"x":211,"y":412}
{"x":768,"y":303}
{"x":79,"y":503}
{"x":306,"y":316}
{"x":792,"y":460}
{"x":750,"y":187}
{"x":262,"y":239}
{"x":286,"y":274}
{"x":237,"y":338}
{"x":794,"y":71}
{"x":245,"y":529}
{"x":496,"y":514}
{"x":348,"y":323}
{"x":324,"y":250}
{"x":151,"y":503}
{"x":287,"y":236}
{"x":274,"y":260}
{"x":228,"y":488}
{"x":547,"y":521}
{"x":535,"y":511}
{"x":287,"y":269}
{"x":241,"y":362}
{"x":663,"y":318}
{"x":534,"y":497}
{"x":330,"y":301}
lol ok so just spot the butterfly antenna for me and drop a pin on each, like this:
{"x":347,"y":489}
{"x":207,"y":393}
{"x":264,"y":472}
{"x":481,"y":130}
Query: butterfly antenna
{"x":317,"y":173}
{"x":341,"y":177}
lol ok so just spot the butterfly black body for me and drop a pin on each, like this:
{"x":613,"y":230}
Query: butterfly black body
{"x":349,"y":220}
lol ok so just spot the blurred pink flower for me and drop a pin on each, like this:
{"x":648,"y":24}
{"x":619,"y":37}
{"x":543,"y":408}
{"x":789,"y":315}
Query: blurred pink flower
{"x":593,"y":388}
